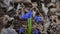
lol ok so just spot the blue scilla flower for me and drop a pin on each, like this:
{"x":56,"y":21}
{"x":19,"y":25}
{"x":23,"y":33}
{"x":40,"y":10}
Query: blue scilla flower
{"x":37,"y":18}
{"x":29,"y":14}
{"x":36,"y":32}
{"x":23,"y":16}
{"x":21,"y":30}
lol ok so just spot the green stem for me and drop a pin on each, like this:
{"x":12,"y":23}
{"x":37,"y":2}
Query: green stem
{"x":29,"y":30}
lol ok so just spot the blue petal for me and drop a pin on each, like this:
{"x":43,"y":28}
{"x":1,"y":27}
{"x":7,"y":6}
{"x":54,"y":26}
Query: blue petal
{"x":37,"y":18}
{"x":35,"y":31}
{"x":21,"y":30}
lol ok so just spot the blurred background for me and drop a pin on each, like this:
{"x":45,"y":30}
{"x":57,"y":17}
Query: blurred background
{"x":29,"y":16}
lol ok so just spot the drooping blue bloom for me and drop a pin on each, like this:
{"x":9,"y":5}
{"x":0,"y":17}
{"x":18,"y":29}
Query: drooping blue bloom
{"x":37,"y":18}
{"x":29,"y":14}
{"x":36,"y":32}
{"x":21,"y":30}
{"x":23,"y":16}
